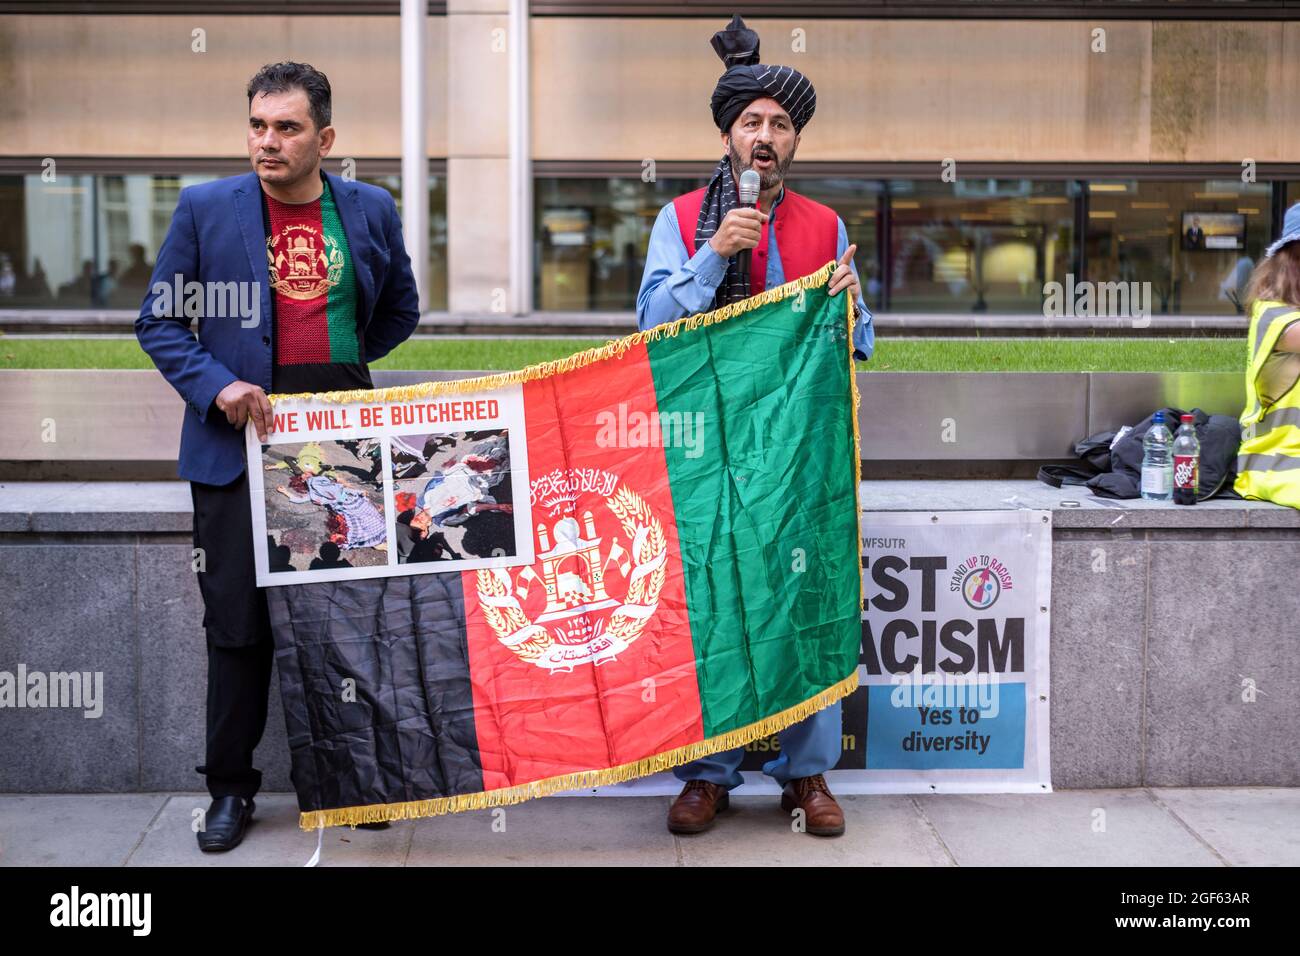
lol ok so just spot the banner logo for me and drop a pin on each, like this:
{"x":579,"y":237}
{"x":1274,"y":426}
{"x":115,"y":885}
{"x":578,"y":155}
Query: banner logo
{"x":981,"y":580}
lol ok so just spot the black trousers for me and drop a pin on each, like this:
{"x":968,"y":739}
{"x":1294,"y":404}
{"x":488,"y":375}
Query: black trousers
{"x":238,"y":627}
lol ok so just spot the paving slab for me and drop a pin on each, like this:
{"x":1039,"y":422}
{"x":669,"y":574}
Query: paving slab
{"x":272,"y":839}
{"x":1257,"y":826}
{"x":878,"y":831}
{"x":1065,"y":828}
{"x":562,"y":831}
{"x":73,"y":829}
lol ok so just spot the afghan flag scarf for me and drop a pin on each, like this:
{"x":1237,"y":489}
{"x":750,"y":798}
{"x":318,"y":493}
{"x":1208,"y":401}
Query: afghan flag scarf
{"x":689,"y":594}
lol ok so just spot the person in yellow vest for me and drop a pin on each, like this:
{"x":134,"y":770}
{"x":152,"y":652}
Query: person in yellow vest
{"x":1268,"y":461}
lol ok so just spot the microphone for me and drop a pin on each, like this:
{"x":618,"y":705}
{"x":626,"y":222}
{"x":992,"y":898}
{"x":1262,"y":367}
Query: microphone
{"x":748,"y":189}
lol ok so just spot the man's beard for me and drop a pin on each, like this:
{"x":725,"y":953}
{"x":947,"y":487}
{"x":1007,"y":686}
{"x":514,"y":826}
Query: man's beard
{"x":767,"y":179}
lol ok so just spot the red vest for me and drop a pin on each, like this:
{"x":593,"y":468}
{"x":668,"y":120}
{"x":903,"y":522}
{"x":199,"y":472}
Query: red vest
{"x":807,"y":235}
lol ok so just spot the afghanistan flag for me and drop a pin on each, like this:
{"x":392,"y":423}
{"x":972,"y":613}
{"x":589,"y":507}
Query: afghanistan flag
{"x":690,"y":577}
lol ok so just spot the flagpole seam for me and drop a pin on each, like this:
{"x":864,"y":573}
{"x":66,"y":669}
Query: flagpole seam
{"x":857,"y":454}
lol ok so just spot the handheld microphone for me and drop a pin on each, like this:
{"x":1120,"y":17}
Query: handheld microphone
{"x":747,"y":189}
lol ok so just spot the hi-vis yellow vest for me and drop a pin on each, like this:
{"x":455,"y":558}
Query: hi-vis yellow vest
{"x":1268,"y":461}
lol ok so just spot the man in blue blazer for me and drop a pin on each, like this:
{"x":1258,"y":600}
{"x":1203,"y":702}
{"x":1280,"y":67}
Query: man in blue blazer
{"x":298,"y":279}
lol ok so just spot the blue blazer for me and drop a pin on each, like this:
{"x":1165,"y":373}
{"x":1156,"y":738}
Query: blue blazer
{"x":217,"y":236}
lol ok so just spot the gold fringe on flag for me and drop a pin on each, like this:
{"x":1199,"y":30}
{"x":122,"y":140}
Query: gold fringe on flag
{"x":857,"y":452}
{"x":612,"y":349}
{"x":437,"y":806}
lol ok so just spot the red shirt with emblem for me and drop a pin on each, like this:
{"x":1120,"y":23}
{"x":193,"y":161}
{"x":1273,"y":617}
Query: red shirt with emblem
{"x":318,"y":342}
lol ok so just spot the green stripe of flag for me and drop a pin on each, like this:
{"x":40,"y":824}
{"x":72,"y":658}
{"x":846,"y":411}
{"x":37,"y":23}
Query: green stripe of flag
{"x":765,"y":502}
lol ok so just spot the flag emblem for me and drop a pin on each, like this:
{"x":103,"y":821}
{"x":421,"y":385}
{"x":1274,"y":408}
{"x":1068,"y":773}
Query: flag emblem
{"x":575,"y":619}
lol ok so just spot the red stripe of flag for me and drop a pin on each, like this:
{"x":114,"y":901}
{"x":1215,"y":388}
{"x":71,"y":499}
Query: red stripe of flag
{"x":645,"y":698}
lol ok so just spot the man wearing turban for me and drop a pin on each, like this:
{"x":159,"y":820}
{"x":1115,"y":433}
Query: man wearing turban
{"x":692,"y":266}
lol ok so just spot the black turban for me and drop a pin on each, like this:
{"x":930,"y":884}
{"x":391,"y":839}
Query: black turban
{"x":747,"y":80}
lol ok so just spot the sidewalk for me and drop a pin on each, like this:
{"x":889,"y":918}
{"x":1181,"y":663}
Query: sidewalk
{"x":1141,"y":827}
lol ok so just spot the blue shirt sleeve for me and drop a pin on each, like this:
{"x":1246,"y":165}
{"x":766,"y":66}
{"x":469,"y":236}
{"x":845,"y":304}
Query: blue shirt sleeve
{"x":673,"y":284}
{"x":864,"y":333}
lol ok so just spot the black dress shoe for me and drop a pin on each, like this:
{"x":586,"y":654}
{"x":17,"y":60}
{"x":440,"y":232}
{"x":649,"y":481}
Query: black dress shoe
{"x":226,"y":821}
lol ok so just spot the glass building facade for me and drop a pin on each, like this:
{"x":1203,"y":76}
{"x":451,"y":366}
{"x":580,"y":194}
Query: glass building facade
{"x":1136,"y":232}
{"x":1075,"y":160}
{"x":974,"y":245}
{"x":89,"y":241}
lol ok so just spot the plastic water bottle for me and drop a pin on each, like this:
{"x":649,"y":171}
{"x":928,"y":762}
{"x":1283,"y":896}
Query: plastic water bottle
{"x":1157,"y":461}
{"x":1187,"y":462}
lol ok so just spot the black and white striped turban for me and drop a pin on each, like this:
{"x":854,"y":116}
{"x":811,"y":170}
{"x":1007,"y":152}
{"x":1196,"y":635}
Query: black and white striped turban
{"x":747,"y":80}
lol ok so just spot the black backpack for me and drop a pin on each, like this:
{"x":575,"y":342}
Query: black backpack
{"x":1117,"y":472}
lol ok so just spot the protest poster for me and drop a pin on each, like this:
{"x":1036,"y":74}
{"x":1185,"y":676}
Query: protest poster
{"x":349,"y":489}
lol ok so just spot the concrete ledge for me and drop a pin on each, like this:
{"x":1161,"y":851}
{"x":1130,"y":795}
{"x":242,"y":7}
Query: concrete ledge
{"x":66,"y":423}
{"x":1072,"y":506}
{"x":95,"y":507}
{"x":165,"y":506}
{"x":1159,"y":613}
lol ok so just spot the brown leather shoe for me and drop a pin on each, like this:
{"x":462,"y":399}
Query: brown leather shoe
{"x":822,"y":815}
{"x":696,"y":806}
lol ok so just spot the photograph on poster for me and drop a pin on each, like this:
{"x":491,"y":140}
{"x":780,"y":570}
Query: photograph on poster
{"x":453,"y":496}
{"x":324,"y":505}
{"x":382,"y":487}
